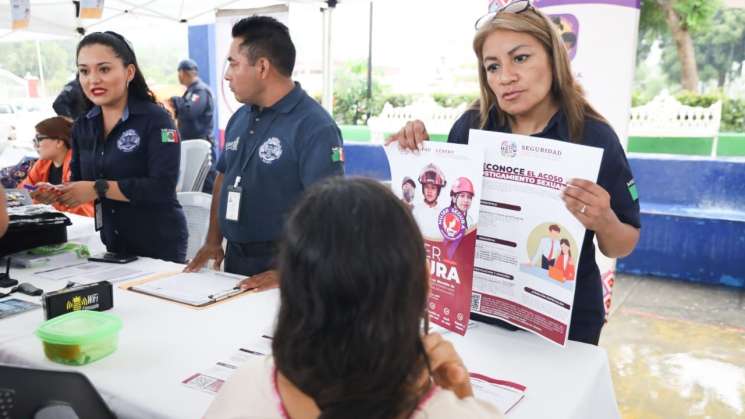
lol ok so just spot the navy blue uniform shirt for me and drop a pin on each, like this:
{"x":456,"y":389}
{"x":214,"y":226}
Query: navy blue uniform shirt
{"x":588,"y":314}
{"x":142,"y":154}
{"x":278,"y":152}
{"x":194,"y":111}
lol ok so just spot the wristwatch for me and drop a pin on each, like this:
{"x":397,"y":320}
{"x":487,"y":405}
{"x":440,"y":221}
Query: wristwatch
{"x":101,"y":186}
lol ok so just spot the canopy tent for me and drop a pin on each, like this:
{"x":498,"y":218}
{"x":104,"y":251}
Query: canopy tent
{"x":60,"y":17}
{"x":54,"y":19}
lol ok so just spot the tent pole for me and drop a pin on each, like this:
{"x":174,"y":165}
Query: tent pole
{"x":369,"y":61}
{"x":328,"y":78}
{"x":41,"y":68}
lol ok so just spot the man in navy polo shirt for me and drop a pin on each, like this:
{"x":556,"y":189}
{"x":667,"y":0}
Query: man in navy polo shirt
{"x":276,"y":146}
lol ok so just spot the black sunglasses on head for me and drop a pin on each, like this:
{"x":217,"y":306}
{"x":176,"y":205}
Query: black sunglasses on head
{"x":516,"y":6}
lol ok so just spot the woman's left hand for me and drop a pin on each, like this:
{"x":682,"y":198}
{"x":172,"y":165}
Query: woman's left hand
{"x":76,"y":193}
{"x":589,"y":203}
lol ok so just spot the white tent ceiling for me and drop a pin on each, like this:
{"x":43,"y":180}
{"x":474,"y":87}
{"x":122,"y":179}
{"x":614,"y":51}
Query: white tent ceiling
{"x":57,"y":18}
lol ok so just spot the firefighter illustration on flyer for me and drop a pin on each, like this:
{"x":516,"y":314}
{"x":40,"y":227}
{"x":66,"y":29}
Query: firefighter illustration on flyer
{"x":441,"y":185}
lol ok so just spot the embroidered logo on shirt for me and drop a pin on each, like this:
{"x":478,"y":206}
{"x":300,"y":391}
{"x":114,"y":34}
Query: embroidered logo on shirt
{"x":232,"y":145}
{"x":128,"y":141}
{"x":271,"y":150}
{"x":169,"y":136}
{"x":194,"y":98}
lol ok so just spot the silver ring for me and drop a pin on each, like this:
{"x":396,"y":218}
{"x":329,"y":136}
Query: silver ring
{"x":583,"y":209}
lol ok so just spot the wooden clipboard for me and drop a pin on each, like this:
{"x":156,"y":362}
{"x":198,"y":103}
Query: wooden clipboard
{"x":127,"y":286}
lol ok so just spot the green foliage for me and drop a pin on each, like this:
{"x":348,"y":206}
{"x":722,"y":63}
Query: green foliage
{"x":696,"y":15}
{"x":718,"y":37}
{"x":638,"y":98}
{"x":733,"y":109}
{"x":57,"y":58}
{"x":351,"y":105}
{"x":721,"y":49}
{"x":698,"y":100}
{"x":733,"y":115}
{"x":451,"y":101}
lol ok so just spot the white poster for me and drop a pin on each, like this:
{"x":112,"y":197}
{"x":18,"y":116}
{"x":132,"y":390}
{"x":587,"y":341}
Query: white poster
{"x":529,"y":244}
{"x":224,"y":21}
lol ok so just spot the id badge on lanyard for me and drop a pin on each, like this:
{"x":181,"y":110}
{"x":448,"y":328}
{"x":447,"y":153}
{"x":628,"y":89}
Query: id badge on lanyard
{"x":98,"y":215}
{"x":232,"y":209}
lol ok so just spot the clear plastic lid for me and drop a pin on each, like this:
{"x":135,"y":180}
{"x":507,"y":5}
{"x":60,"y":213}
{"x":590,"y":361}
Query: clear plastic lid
{"x":79,"y":327}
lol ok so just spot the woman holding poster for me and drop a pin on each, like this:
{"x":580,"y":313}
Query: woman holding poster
{"x":527,"y":87}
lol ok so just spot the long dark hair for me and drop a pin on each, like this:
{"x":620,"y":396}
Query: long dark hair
{"x":353,"y":287}
{"x":566,"y":242}
{"x":137,"y":87}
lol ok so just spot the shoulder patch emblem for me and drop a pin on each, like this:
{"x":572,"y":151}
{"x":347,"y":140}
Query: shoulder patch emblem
{"x":169,"y":136}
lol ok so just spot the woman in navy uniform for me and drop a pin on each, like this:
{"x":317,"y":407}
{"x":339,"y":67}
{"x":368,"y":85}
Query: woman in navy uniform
{"x":126,"y":154}
{"x":528,"y":88}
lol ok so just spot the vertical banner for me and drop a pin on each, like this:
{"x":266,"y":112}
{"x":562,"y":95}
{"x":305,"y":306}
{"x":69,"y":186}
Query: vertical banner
{"x":224,"y":21}
{"x":91,"y":9}
{"x":601,"y":36}
{"x":442,"y":187}
{"x":20,"y":12}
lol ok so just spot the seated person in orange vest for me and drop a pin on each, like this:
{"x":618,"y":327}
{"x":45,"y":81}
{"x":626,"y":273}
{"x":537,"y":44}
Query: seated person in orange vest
{"x":52,"y":141}
{"x":563,"y":269}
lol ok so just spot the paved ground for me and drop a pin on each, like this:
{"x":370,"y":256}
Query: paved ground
{"x":676,"y":350}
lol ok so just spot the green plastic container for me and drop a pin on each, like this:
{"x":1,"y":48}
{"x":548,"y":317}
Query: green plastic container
{"x":80,"y":337}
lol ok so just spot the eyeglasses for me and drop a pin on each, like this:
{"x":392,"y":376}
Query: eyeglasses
{"x":515,"y":6}
{"x":38,"y":139}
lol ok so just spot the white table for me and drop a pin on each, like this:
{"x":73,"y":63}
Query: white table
{"x":163,"y":343}
{"x":83,"y":231}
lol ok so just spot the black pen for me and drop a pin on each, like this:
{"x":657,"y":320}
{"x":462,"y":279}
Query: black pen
{"x":234,"y":291}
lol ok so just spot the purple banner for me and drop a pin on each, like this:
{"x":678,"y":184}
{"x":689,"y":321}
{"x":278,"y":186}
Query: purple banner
{"x":623,"y":3}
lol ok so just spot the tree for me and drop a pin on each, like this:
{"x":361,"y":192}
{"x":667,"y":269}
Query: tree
{"x":682,"y":19}
{"x":722,"y":47}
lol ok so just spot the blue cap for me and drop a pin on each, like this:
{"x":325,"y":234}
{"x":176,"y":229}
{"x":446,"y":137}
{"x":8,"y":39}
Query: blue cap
{"x":187,"y":64}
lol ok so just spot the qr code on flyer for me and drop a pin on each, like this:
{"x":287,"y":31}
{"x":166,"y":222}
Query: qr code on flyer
{"x":475,"y":302}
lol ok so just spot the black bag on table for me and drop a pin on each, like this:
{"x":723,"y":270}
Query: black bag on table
{"x":33,"y":226}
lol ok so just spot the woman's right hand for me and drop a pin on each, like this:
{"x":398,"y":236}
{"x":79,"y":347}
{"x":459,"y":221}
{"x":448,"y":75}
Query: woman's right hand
{"x":411,"y":136}
{"x":448,"y":370}
{"x":44,"y":193}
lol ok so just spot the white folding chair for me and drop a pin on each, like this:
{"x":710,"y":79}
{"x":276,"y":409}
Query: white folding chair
{"x":197,"y":210}
{"x":195,"y":154}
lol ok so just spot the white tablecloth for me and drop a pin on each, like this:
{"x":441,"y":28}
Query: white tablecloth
{"x":163,"y":343}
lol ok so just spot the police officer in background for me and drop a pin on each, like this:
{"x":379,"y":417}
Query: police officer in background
{"x":71,"y":101}
{"x":194,"y":110}
{"x":276,"y":145}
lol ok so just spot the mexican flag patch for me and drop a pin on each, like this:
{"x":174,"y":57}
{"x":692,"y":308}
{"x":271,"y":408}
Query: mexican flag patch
{"x":169,"y":136}
{"x":632,"y":190}
{"x":337,"y":154}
